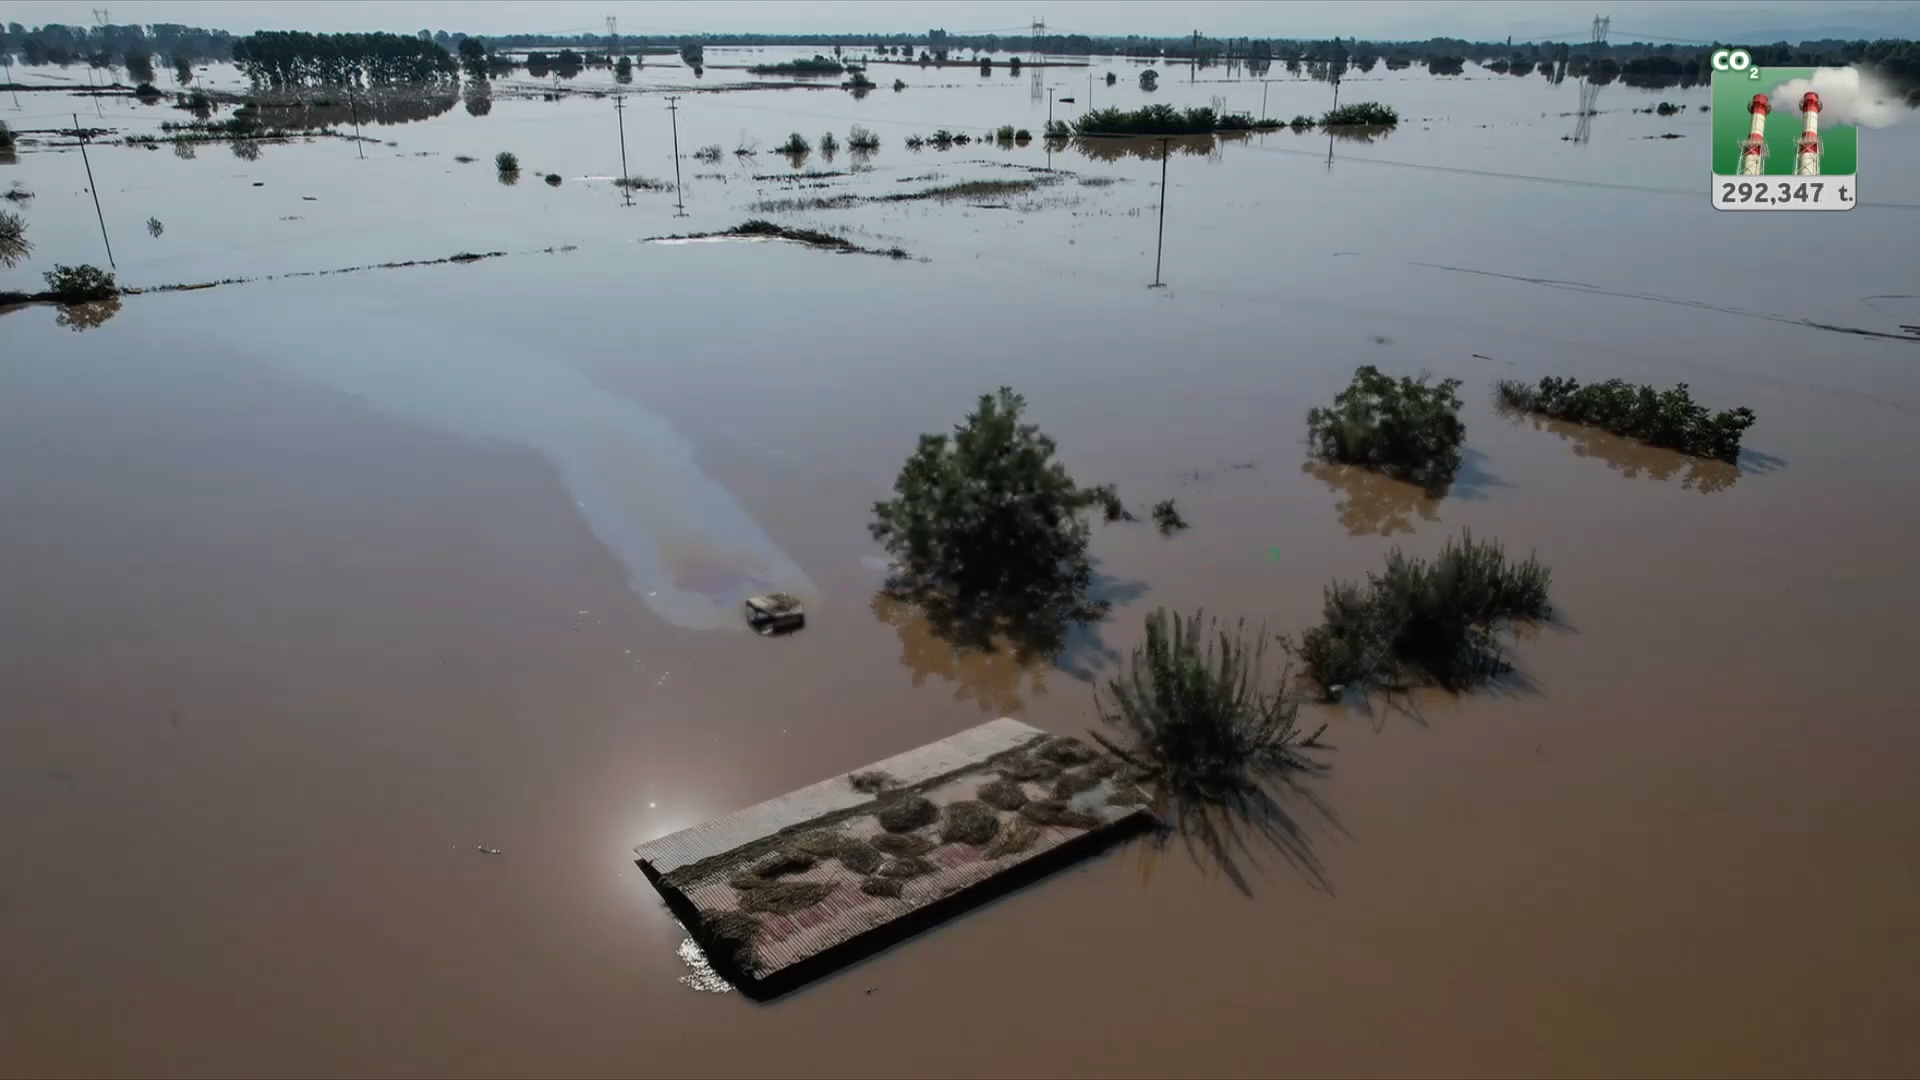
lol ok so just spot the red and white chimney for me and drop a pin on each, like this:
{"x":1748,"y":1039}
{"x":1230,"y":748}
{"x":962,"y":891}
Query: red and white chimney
{"x":1807,"y":161}
{"x":1753,"y":151}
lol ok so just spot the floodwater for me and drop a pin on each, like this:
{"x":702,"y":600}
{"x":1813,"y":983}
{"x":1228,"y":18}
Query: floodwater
{"x":311,"y":588}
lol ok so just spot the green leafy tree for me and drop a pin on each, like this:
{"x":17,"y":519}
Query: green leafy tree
{"x":989,"y":532}
{"x":1407,"y":429}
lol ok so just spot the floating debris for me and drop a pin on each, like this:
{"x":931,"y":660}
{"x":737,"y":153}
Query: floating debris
{"x":775,"y":613}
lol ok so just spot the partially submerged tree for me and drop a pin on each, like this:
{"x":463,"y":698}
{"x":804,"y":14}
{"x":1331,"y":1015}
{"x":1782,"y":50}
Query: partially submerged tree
{"x":988,"y":532}
{"x":79,"y":284}
{"x":1407,"y":429}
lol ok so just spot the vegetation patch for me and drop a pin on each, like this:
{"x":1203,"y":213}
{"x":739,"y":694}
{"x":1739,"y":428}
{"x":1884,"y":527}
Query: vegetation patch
{"x":1665,"y":418}
{"x":859,"y":856}
{"x":817,"y":65}
{"x":1167,"y":519}
{"x":1023,"y":767}
{"x":810,"y":237}
{"x":795,"y":146}
{"x":708,"y":154}
{"x":902,"y":844}
{"x":872,"y":782}
{"x":909,"y":867}
{"x":1160,"y":119}
{"x":1425,"y":623}
{"x":1406,"y":429}
{"x":970,"y":189}
{"x":642,"y":183}
{"x":553,"y":179}
{"x":14,"y":245}
{"x":785,"y":897}
{"x":1361,"y":114}
{"x":1002,"y":794}
{"x":968,"y":822}
{"x":1018,"y":835}
{"x":78,"y":284}
{"x":1198,"y":720}
{"x":506,"y":162}
{"x":989,"y":533}
{"x":862,"y":141}
{"x":906,"y":812}
{"x":734,"y":932}
{"x":463,"y":159}
{"x":1067,"y":750}
{"x":786,"y":861}
{"x":1073,"y":782}
{"x":1057,"y":812}
{"x":881,"y":886}
{"x":821,"y":843}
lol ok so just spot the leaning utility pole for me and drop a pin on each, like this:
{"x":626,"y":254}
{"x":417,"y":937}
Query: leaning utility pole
{"x":1161,"y":244}
{"x":620,"y":108}
{"x":94,"y":189}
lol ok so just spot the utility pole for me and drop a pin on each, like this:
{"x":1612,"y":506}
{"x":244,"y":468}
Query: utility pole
{"x":1263,"y":99}
{"x":7,"y":59}
{"x":1161,"y":244}
{"x":358,"y":143}
{"x":620,"y":108}
{"x":95,"y":189}
{"x":679,"y":195}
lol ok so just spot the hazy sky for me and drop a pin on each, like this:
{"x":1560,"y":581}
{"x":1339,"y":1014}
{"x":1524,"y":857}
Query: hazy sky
{"x":1743,"y":21}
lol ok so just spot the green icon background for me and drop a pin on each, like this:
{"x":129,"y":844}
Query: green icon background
{"x":1732,"y":90}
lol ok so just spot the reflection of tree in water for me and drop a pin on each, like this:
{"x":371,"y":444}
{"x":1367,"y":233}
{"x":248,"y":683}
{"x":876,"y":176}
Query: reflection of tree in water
{"x":87,"y":316}
{"x":478,"y":100}
{"x":1371,"y":504}
{"x":379,"y":105}
{"x":245,"y":149}
{"x":989,"y":677}
{"x":1636,"y":459}
{"x":183,"y":149}
{"x":1143,"y":147}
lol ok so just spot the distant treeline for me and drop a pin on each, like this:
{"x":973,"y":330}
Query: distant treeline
{"x":295,"y":58}
{"x":102,"y":46}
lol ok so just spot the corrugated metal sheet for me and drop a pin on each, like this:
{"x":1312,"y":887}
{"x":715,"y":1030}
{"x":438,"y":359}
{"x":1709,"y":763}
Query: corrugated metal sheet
{"x":721,"y":835}
{"x":847,"y":912}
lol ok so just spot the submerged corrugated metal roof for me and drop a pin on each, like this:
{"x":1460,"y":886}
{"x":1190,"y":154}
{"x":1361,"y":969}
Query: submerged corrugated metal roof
{"x":847,"y":912}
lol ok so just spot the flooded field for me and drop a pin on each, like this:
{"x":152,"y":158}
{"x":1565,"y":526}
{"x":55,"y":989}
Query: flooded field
{"x":355,"y":626}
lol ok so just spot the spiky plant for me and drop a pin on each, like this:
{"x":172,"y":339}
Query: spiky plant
{"x":506,"y":162}
{"x":1197,"y":718}
{"x":14,"y":245}
{"x":1421,"y":622}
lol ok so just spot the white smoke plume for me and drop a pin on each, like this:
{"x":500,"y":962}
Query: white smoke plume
{"x":1847,"y":96}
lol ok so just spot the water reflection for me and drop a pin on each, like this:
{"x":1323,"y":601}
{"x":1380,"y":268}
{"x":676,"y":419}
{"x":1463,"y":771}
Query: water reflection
{"x":1143,"y":147}
{"x":1370,"y":504}
{"x":1637,"y":459}
{"x":245,"y":149}
{"x":380,"y":105}
{"x":86,"y":316}
{"x":993,"y":678}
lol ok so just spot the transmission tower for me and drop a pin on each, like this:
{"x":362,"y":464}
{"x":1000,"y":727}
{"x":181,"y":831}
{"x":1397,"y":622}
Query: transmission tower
{"x":613,"y":36}
{"x":1589,"y":90}
{"x":1038,"y":82}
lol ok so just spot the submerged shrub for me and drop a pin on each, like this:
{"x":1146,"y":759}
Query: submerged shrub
{"x":1167,"y":519}
{"x":1666,"y":418}
{"x":80,"y":284}
{"x":860,"y":140}
{"x":1425,"y":623}
{"x":1200,"y":724}
{"x":795,"y":145}
{"x":1406,"y":429}
{"x":708,"y":154}
{"x":1361,"y":113}
{"x":553,"y":179}
{"x":505,"y":162}
{"x":14,"y":245}
{"x":7,"y":137}
{"x":988,"y":531}
{"x":1004,"y":134}
{"x":829,"y":145}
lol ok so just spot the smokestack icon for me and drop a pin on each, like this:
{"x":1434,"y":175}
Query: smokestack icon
{"x":1753,"y":151}
{"x":1807,"y":161}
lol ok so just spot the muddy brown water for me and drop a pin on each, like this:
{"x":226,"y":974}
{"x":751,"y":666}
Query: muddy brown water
{"x":313,"y":587}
